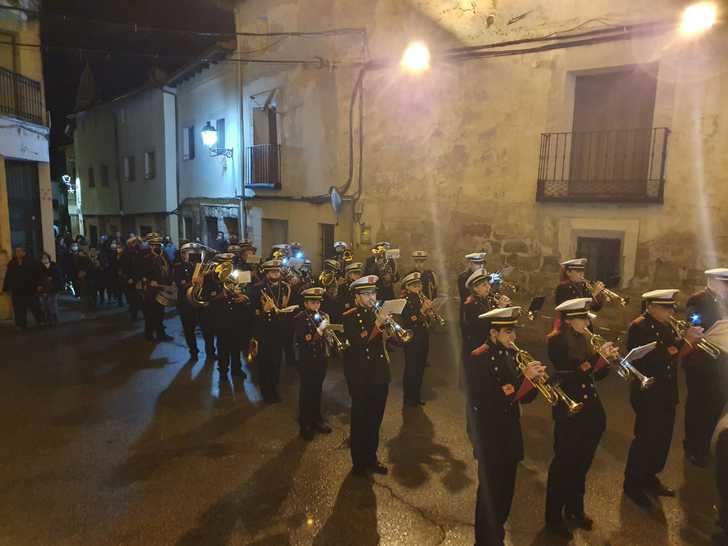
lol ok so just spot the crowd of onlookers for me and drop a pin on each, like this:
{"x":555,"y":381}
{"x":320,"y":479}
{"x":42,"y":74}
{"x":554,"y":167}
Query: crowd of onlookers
{"x":88,"y":273}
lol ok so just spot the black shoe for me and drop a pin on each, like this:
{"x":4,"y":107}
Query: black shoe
{"x":360,"y":470}
{"x":379,"y":468}
{"x":223,"y":370}
{"x":149,"y":338}
{"x":165,"y":337}
{"x":638,"y":496}
{"x":659,"y":489}
{"x":408,"y":404}
{"x":307,"y":434}
{"x":322,"y":427}
{"x":421,"y":403}
{"x":702,"y":461}
{"x":581,"y":520}
{"x":237,"y":372}
{"x":559,"y":529}
{"x":194,"y":353}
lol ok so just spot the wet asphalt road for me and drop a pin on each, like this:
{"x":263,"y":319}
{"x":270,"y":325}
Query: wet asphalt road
{"x":111,"y":440}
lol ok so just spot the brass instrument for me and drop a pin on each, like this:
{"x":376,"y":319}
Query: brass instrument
{"x":167,"y":295}
{"x":681,"y":327}
{"x":347,"y":256}
{"x":625,"y":369}
{"x":327,"y":278}
{"x":217,"y":270}
{"x":552,"y":392}
{"x":332,"y":340}
{"x":393,"y":329}
{"x":431,"y":315}
{"x":609,"y":295}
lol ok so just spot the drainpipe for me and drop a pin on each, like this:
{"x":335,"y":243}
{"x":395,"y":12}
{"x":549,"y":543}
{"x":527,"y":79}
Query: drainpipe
{"x":242,"y":213}
{"x":180,"y":225}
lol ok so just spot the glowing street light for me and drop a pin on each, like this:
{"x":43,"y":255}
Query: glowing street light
{"x":698,"y":18}
{"x":209,"y":135}
{"x":416,"y":58}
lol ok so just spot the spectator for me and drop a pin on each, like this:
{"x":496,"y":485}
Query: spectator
{"x":170,"y":250}
{"x":49,"y":284}
{"x":219,"y":244}
{"x":20,"y":281}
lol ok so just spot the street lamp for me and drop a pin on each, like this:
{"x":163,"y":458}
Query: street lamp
{"x":416,"y":58}
{"x":209,"y":139}
{"x":698,"y":18}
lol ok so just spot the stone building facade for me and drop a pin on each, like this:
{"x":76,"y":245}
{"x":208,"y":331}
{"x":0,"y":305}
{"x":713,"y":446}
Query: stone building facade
{"x":454,"y":160}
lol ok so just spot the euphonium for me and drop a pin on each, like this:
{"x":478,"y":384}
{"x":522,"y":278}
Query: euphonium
{"x":625,"y":369}
{"x":394,"y":329}
{"x":681,"y":327}
{"x":327,"y":278}
{"x":332,"y":340}
{"x":610,"y":295}
{"x":551,"y":392}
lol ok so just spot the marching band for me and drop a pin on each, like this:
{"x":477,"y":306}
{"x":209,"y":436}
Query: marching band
{"x":258,"y":309}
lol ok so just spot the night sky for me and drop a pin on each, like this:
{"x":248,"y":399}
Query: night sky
{"x":120,"y":71}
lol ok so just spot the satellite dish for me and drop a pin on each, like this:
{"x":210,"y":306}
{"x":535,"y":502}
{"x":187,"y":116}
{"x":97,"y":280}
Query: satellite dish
{"x":335,"y":201}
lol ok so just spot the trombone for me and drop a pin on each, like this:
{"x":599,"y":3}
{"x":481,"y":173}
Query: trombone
{"x":610,"y":295}
{"x":625,"y":369}
{"x":681,"y":327}
{"x":552,"y":393}
{"x":393,"y":329}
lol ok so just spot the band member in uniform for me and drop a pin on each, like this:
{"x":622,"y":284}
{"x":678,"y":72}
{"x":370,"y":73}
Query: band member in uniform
{"x":573,"y":285}
{"x":233,"y":317}
{"x":415,"y":351}
{"x":157,"y":273}
{"x":478,"y":302}
{"x":495,"y":387}
{"x":706,"y":378}
{"x":310,"y":325}
{"x":344,"y":297}
{"x":130,"y":273}
{"x":476,"y":261}
{"x":367,"y":371}
{"x":271,"y":296}
{"x":189,"y":316}
{"x":654,"y":407}
{"x":343,"y":253}
{"x":379,"y":265}
{"x":427,"y":276}
{"x":576,"y":436}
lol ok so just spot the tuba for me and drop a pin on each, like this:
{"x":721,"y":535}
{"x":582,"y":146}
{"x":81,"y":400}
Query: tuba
{"x":215,"y":271}
{"x":610,"y":295}
{"x":681,"y":327}
{"x":625,"y":369}
{"x":393,"y":329}
{"x":327,"y":278}
{"x":552,"y":393}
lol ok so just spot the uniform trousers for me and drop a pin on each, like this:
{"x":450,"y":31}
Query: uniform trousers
{"x":415,"y":360}
{"x":153,"y":318}
{"x":208,"y":331}
{"x":654,"y":421}
{"x":496,"y":483}
{"x":367,"y":410}
{"x":576,"y":438}
{"x":312,"y":374}
{"x":721,"y":477}
{"x":269,"y":366}
{"x":188,"y":317}
{"x":705,"y":400}
{"x":229,"y":347}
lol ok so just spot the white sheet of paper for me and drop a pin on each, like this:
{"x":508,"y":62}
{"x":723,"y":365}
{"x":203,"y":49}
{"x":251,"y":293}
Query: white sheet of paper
{"x":718,"y":334}
{"x":392,"y":254}
{"x":639,"y":352}
{"x":394,"y":307}
{"x":253,"y":260}
{"x":243,"y":276}
{"x":336,"y":327}
{"x":295,"y":263}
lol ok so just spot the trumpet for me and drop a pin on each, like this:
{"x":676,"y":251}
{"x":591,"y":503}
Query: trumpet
{"x":552,"y":393}
{"x":431,"y":315}
{"x":681,"y":327}
{"x":393,"y":329}
{"x":332,"y":340}
{"x":268,"y":301}
{"x":625,"y":369}
{"x":610,"y":295}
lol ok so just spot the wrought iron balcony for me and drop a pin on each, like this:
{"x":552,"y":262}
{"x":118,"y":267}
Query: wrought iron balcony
{"x":603,"y":166}
{"x":20,"y":97}
{"x":264,"y":165}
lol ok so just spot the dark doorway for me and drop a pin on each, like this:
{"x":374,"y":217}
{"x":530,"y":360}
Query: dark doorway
{"x":24,"y":206}
{"x":604,"y":257}
{"x":211,"y":225}
{"x":327,"y":241}
{"x":93,"y":235}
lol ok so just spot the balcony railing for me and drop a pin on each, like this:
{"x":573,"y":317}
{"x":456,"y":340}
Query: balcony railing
{"x":603,"y":166}
{"x":264,"y":165}
{"x":20,"y":97}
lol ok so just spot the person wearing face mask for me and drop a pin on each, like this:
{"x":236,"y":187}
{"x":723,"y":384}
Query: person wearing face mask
{"x":157,"y":273}
{"x":366,"y":366}
{"x":49,"y":284}
{"x":130,"y":273}
{"x":706,"y":378}
{"x":478,"y":302}
{"x":476,"y":261}
{"x":495,"y":389}
{"x":270,"y":297}
{"x":20,"y":281}
{"x":654,"y":407}
{"x":576,"y":436}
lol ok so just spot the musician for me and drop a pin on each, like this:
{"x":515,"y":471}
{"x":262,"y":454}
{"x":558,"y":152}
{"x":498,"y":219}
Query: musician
{"x":478,"y":302}
{"x":476,"y":261}
{"x":270,"y":297}
{"x":576,"y":436}
{"x":157,"y":273}
{"x":414,"y":318}
{"x":331,"y":281}
{"x":654,"y":407}
{"x":344,"y":297}
{"x":310,"y":325}
{"x":366,"y":367}
{"x":573,"y":284}
{"x":379,"y":265}
{"x":428,"y":277}
{"x":233,"y":318}
{"x":706,"y":379}
{"x":189,"y":316}
{"x":495,"y":387}
{"x":343,"y":253}
{"x":130,"y":272}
